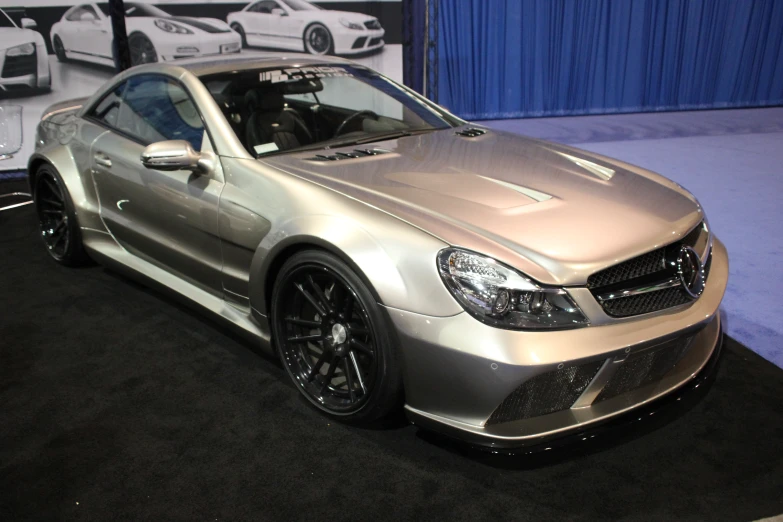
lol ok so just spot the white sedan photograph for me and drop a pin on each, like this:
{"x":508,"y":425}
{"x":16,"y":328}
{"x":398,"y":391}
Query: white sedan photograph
{"x":24,"y":63}
{"x":84,"y":33}
{"x":297,"y":25}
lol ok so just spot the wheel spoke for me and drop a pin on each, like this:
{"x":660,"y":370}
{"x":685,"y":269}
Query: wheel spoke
{"x":54,"y":188}
{"x":316,"y":367}
{"x":52,"y":202}
{"x":54,"y":212}
{"x":348,"y":307}
{"x":310,"y":298}
{"x":358,"y":372}
{"x":330,"y":374}
{"x":358,"y":330}
{"x":306,"y":338}
{"x":349,"y":379}
{"x":362,"y":347}
{"x":302,"y":322}
{"x":320,"y":294}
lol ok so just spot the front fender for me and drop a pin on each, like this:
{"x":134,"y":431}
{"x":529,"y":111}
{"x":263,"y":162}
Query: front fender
{"x":396,"y":260}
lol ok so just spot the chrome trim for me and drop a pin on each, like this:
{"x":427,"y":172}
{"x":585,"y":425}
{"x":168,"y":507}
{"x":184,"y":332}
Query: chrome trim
{"x":643,"y":289}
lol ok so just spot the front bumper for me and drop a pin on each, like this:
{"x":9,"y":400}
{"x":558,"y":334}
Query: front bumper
{"x":349,"y":41}
{"x":38,"y":76}
{"x":189,"y":47}
{"x":458,"y":371}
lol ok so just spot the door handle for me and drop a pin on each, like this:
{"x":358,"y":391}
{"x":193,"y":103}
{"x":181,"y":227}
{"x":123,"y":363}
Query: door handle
{"x":103,"y":160}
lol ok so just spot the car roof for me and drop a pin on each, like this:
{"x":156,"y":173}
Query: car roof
{"x":243,"y":62}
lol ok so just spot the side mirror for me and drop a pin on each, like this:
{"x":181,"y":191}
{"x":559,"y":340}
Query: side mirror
{"x":176,"y":155}
{"x":28,"y":23}
{"x":279,"y":12}
{"x":87,"y":17}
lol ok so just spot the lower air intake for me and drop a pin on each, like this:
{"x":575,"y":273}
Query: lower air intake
{"x":546,"y":393}
{"x":645,"y":367}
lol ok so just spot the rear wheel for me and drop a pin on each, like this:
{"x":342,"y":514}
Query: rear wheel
{"x":333,"y":340}
{"x":141,"y":49}
{"x":59,"y":49}
{"x":241,"y":32}
{"x":57,"y":218}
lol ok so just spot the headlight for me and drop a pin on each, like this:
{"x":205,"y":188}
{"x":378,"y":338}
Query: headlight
{"x":21,"y":50}
{"x":350,"y":25}
{"x":171,"y":27}
{"x":498,"y":295}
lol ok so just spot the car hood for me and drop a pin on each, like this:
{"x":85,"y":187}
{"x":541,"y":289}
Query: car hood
{"x":10,"y":37}
{"x":554,"y":212}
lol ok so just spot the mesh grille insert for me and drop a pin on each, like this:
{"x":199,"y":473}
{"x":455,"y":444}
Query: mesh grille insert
{"x":646,"y":303}
{"x":645,"y":367}
{"x":546,"y":393}
{"x":643,"y":265}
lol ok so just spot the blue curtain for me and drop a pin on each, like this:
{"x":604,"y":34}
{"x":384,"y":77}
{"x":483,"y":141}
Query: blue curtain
{"x":517,"y":58}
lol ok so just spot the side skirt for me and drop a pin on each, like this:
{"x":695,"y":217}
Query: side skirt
{"x":102,"y":247}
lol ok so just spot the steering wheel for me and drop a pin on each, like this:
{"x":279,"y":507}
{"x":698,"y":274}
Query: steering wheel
{"x":353,"y":117}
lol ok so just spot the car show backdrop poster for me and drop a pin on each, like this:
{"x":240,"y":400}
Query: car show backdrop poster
{"x":32,"y":34}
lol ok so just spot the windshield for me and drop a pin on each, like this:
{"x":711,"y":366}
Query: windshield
{"x":276,"y":110}
{"x":134,"y":9}
{"x":301,"y":5}
{"x":5,"y":21}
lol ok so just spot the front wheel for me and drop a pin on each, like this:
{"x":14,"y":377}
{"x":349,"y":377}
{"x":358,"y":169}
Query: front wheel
{"x":141,"y":49}
{"x":59,"y":49}
{"x":318,"y":40}
{"x":332,"y":338}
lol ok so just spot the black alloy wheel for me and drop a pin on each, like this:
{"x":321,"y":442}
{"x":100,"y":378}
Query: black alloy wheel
{"x":318,"y":40}
{"x":241,"y":32}
{"x":59,"y":49}
{"x":331,"y":338}
{"x":57,"y":219}
{"x":141,"y":49}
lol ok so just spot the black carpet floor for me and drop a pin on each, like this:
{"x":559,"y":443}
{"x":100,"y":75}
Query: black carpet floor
{"x":116,"y":403}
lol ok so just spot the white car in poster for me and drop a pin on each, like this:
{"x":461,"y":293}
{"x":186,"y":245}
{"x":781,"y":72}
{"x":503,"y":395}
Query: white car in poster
{"x":24,"y":61}
{"x":301,"y":26}
{"x":85,"y":33}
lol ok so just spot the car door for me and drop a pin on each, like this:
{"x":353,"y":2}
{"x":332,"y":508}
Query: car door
{"x":266,"y":24}
{"x":165,"y":217}
{"x":80,"y":30}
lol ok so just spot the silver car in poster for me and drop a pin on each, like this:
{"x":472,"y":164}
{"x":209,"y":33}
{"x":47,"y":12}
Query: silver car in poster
{"x":501,"y":289}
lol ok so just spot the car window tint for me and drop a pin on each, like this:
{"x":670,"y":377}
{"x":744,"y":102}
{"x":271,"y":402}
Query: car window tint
{"x":156,"y":108}
{"x":108,"y":109}
{"x":265,"y":7}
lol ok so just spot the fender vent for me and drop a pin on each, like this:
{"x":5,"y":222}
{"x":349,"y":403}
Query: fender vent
{"x":357,"y":153}
{"x":471,"y":133}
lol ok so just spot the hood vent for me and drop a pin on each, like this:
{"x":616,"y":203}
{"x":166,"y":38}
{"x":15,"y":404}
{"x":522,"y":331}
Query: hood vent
{"x":357,"y":153}
{"x":471,"y":133}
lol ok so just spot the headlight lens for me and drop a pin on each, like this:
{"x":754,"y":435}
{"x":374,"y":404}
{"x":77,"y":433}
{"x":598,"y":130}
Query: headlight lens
{"x":21,"y":50}
{"x":350,"y":25}
{"x":498,"y":295}
{"x":171,"y":27}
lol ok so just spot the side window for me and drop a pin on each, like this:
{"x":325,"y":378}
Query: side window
{"x":82,"y":13}
{"x":108,"y":109}
{"x":265,"y":7}
{"x":156,"y":108}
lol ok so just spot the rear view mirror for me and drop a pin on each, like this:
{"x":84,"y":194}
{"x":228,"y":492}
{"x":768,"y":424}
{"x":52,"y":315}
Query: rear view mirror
{"x":279,"y":12}
{"x":176,"y":155}
{"x":28,"y":23}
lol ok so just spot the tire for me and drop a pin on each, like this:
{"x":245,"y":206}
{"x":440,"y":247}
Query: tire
{"x":318,"y":40}
{"x":141,"y":49}
{"x":237,"y":28}
{"x":57,"y":218}
{"x":59,"y":49}
{"x":333,"y":339}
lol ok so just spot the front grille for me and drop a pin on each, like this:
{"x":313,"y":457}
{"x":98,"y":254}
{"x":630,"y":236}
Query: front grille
{"x":647,"y":270}
{"x":359,"y":43}
{"x":546,"y":393}
{"x":372,"y":24}
{"x":645,"y":367}
{"x":15,"y":66}
{"x":375,"y":41}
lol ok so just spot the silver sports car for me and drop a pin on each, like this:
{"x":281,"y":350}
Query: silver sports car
{"x":504,"y":289}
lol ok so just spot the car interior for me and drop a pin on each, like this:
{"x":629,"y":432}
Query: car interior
{"x":273,"y":117}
